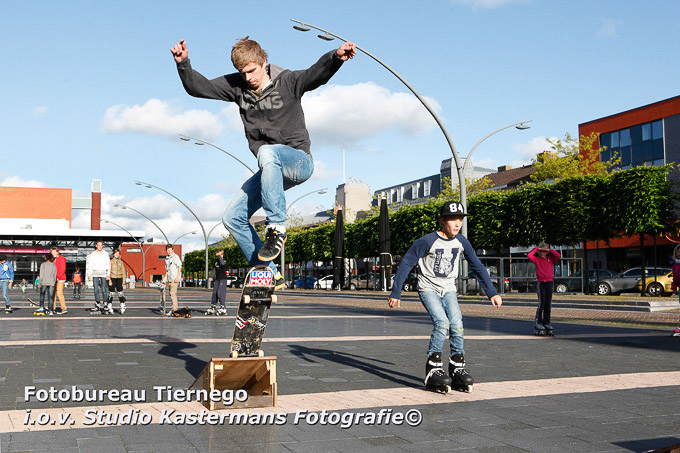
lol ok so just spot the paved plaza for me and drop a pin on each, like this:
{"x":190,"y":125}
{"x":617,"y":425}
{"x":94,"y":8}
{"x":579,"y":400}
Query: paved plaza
{"x":349,"y":375}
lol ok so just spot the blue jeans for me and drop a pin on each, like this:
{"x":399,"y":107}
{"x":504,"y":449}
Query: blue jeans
{"x":447,"y":319}
{"x":281,"y":167}
{"x":100,"y":289}
{"x":49,"y":292}
{"x":4,"y":285}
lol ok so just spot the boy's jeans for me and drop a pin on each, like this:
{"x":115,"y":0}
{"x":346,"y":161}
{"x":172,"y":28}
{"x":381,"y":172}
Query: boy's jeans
{"x":447,"y":319}
{"x":100,"y":289}
{"x":4,"y":286}
{"x":281,"y":167}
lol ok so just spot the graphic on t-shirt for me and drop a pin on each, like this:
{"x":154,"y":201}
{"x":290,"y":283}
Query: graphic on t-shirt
{"x":443,"y":264}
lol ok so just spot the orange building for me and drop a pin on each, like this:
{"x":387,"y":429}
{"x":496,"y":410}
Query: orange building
{"x":647,"y":135}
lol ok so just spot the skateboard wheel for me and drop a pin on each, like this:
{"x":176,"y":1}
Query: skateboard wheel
{"x":469,"y":389}
{"x":246,"y":299}
{"x":234,"y":355}
{"x":260,"y":353}
{"x":274,"y":298}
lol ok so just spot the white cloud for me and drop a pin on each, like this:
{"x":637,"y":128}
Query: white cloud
{"x":530,"y":149}
{"x":342,"y":115}
{"x":608,"y":28}
{"x":487,"y":4}
{"x":18,"y":181}
{"x":40,"y":110}
{"x":323,"y":173}
{"x":158,"y":117}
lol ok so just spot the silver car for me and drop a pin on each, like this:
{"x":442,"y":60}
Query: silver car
{"x":626,"y":281}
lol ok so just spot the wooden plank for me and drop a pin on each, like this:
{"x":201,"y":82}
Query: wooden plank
{"x":255,"y":375}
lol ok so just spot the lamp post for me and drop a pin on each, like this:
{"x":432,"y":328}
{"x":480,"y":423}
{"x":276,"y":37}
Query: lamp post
{"x":148,"y":186}
{"x":328,"y":36}
{"x":283,"y":247}
{"x":463,"y":194}
{"x":200,"y":142}
{"x":182,"y":235}
{"x":141,"y":249}
{"x":147,"y":218}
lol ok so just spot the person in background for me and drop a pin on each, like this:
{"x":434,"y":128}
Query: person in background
{"x":60,"y":262}
{"x":48,"y":278}
{"x":6,"y":281}
{"x":77,"y":280}
{"x":99,"y":272}
{"x":173,"y":272}
{"x":545,"y":273}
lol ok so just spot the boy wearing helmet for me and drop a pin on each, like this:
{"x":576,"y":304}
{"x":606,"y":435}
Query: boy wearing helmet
{"x":438,"y":257}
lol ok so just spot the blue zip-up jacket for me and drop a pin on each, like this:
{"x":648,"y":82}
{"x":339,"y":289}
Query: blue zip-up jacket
{"x":6,"y":271}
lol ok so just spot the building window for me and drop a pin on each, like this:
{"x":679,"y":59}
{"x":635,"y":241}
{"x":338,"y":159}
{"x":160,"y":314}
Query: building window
{"x":641,"y":144}
{"x":427,"y":185}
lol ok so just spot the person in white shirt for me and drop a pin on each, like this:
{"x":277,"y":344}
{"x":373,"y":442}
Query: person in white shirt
{"x":173,"y":271}
{"x":99,"y":273}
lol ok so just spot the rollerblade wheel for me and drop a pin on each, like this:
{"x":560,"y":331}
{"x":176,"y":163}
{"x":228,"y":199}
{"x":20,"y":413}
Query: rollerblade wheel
{"x":234,"y":355}
{"x":274,"y":298}
{"x":246,"y":299}
{"x":260,"y":353}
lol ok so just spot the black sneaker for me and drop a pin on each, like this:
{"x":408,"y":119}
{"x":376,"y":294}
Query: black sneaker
{"x":273,"y":242}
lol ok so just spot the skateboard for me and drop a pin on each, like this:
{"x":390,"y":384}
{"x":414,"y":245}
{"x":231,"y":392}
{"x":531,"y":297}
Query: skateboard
{"x":256,"y":300}
{"x":30,"y":301}
{"x":161,"y":308}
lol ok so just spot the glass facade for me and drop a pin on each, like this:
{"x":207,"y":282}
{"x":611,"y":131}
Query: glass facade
{"x":637,"y":145}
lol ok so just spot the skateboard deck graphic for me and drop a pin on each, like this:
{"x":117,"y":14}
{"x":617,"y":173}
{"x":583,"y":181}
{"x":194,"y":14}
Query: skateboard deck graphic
{"x":257,"y":297}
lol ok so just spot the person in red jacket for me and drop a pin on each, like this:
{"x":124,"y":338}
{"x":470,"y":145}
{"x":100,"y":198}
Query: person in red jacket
{"x":676,"y":280}
{"x":544,"y":258}
{"x":60,"y":262}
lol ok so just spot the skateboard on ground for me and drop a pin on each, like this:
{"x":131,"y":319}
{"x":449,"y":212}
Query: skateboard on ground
{"x":30,"y":301}
{"x":257,"y":297}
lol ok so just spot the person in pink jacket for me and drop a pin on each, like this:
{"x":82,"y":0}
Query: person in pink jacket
{"x":676,"y":280}
{"x":544,"y":258}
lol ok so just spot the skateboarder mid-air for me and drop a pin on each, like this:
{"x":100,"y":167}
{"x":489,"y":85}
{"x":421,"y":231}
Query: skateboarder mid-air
{"x":269,"y":100}
{"x":438,"y":257}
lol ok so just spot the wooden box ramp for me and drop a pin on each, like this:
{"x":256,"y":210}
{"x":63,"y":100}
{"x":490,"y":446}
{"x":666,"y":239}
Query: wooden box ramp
{"x":255,"y":375}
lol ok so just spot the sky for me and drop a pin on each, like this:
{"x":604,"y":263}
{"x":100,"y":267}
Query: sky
{"x":91,"y":91}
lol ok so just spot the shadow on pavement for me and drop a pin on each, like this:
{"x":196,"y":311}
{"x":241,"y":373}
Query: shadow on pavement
{"x":660,"y":445}
{"x":367,"y":364}
{"x":176,"y":349}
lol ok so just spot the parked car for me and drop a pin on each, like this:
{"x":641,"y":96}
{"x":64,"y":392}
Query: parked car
{"x":411,"y":282}
{"x":324,"y":282}
{"x":659,"y":286}
{"x":370,"y":280}
{"x":303,"y":282}
{"x":573,"y":283}
{"x":626,"y":281}
{"x":234,"y":282}
{"x":473,"y":285}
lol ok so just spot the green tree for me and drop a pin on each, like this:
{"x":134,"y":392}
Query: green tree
{"x":570,"y":158}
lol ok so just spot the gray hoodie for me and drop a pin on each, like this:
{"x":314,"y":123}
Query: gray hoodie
{"x":48,"y":274}
{"x":276,"y":117}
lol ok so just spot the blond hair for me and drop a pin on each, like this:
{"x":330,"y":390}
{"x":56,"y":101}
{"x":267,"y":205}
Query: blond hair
{"x":247,"y":51}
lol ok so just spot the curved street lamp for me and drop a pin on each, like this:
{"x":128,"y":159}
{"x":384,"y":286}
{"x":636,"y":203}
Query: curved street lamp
{"x":147,"y":218}
{"x":283,"y":247}
{"x":141,"y":248}
{"x":148,"y":186}
{"x":303,"y":26}
{"x":182,"y":235}
{"x":463,"y":198}
{"x":200,"y":142}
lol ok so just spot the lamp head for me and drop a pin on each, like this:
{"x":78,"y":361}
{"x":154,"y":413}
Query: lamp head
{"x":523,"y":126}
{"x":301,"y":27}
{"x":326,"y":37}
{"x":199,"y":143}
{"x":186,"y":139}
